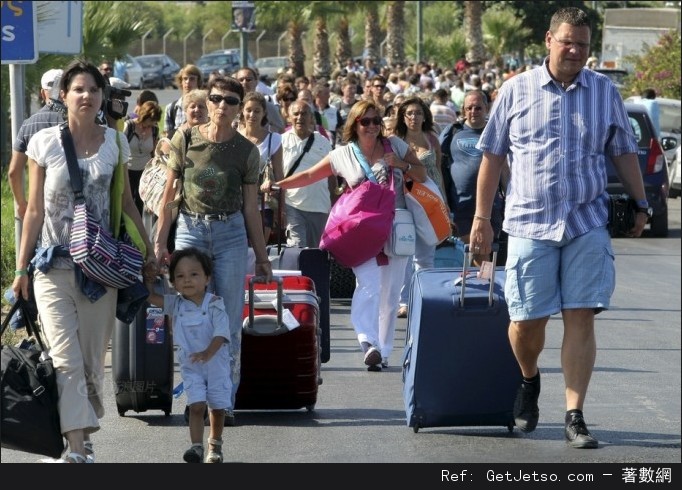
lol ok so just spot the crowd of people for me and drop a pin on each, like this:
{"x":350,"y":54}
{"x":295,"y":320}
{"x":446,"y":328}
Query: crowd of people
{"x":225,"y":134}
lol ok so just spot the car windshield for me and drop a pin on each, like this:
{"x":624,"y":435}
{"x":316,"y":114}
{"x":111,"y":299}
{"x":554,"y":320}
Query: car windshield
{"x":150,"y":62}
{"x":269,"y":63}
{"x":670,"y":118}
{"x":214,"y":59}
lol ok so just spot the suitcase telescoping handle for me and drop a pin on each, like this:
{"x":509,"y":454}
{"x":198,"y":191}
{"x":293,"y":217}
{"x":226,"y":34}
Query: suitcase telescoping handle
{"x":280,"y":295}
{"x":465,"y":271}
{"x":275,"y":189}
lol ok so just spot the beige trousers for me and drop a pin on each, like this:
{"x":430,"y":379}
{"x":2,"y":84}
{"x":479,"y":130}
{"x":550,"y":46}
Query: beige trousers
{"x":78,"y":333}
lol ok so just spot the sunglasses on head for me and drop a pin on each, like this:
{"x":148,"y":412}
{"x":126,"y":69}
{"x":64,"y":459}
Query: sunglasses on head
{"x":229,"y":99}
{"x":366,"y":121}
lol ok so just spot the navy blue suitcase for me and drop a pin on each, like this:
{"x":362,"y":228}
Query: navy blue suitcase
{"x":458,"y":365}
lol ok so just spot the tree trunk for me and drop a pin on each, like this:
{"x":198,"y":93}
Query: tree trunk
{"x":344,"y":48}
{"x":297,"y":60}
{"x":321,"y":60}
{"x":372,"y":33}
{"x":473,"y":30}
{"x":395,"y":31}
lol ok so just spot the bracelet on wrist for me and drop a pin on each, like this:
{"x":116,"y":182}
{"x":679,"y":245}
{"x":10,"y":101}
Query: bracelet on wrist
{"x":642,"y":203}
{"x":481,"y":217}
{"x":20,"y":272}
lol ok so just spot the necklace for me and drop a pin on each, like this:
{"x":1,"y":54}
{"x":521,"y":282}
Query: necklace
{"x":371,"y":154}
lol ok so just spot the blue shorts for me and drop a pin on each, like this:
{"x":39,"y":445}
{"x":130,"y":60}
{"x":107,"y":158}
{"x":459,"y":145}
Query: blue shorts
{"x":545,"y":277}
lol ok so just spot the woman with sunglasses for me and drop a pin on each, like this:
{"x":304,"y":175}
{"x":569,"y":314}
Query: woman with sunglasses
{"x":414,"y":125}
{"x":286,"y":94}
{"x":375,"y":300}
{"x":219,"y":207}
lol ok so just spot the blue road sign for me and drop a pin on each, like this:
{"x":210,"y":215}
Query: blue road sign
{"x":19,"y":32}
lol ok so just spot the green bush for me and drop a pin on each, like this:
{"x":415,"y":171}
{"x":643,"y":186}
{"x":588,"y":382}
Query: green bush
{"x":7,"y":254}
{"x":658,"y":68}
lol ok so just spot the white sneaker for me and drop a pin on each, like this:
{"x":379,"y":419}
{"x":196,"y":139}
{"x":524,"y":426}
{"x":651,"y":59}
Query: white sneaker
{"x":68,"y":458}
{"x":88,"y":450}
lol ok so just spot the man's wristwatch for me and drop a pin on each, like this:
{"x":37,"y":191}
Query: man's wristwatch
{"x":645,"y":210}
{"x":642,"y":206}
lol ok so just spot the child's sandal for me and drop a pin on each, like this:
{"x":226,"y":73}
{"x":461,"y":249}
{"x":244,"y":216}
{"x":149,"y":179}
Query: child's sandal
{"x":215,"y":451}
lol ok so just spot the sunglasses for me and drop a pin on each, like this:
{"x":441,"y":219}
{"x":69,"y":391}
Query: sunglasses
{"x":229,"y":99}
{"x":378,"y":86}
{"x":366,"y":121}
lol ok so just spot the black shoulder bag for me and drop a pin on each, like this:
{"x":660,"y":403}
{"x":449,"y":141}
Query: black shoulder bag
{"x":30,"y":416}
{"x":307,"y":147}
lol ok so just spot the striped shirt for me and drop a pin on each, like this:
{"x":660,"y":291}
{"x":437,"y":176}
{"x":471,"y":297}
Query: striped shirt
{"x":44,"y":118}
{"x":556,"y":143}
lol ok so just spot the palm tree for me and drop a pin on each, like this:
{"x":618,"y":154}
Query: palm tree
{"x":321,"y":59}
{"x":474,"y":32}
{"x":303,"y":13}
{"x":503,"y":32}
{"x":395,"y":40}
{"x":344,"y":47}
{"x":372,"y":31}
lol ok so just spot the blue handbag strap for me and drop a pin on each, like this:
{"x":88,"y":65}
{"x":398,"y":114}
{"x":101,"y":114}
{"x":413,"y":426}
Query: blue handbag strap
{"x":363,"y":162}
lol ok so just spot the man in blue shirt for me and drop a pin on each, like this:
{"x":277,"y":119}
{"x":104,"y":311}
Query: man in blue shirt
{"x":556,"y":124}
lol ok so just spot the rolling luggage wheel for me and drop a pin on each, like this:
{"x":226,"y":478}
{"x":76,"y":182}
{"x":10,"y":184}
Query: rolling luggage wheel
{"x":510,"y":427}
{"x":121,"y":414}
{"x":310,"y":408}
{"x":415,"y":428}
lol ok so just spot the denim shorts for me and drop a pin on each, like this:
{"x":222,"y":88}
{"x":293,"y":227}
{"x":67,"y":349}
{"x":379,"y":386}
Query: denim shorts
{"x":545,"y":276}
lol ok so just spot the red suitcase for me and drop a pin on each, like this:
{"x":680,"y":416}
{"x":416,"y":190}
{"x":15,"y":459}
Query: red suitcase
{"x":280,"y":368}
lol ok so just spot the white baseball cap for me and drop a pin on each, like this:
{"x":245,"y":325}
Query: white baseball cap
{"x":118,"y":83}
{"x":49,"y":77}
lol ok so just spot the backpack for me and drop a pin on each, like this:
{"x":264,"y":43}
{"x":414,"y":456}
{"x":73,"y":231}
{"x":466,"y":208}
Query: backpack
{"x":446,"y":162}
{"x":129,"y":131}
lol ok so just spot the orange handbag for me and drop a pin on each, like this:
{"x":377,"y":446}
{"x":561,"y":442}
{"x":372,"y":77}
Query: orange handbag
{"x":431,"y":217}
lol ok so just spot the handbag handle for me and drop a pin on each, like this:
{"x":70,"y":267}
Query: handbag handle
{"x":20,"y":305}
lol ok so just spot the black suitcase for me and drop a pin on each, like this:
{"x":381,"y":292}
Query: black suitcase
{"x":142,"y":362}
{"x":315,"y":264}
{"x":458,"y":365}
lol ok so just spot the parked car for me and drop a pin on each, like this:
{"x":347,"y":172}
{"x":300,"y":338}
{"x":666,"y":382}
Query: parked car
{"x":270,"y":65}
{"x":654,"y":167}
{"x":669,"y":121}
{"x":676,"y":173}
{"x":159,"y":70}
{"x":134,"y":74}
{"x":226,"y":61}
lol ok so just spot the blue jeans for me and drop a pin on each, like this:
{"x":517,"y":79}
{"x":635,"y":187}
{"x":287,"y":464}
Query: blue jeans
{"x":226,"y":244}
